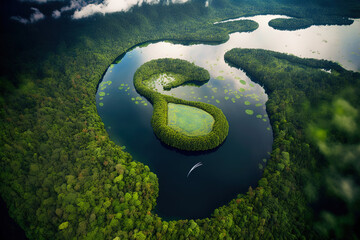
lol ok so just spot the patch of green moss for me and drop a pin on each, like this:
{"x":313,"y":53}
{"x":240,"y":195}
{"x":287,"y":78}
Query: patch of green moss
{"x":189,"y":120}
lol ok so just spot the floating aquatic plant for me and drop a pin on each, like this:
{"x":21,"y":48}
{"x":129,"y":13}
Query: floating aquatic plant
{"x":249,"y":111}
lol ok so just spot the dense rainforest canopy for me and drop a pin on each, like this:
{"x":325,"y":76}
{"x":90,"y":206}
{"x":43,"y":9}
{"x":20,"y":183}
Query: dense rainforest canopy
{"x":63,"y":178}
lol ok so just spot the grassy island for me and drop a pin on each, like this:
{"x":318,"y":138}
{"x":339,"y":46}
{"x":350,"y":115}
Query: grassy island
{"x":170,"y":119}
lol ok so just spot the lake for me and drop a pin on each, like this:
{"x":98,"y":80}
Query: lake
{"x":219,"y":175}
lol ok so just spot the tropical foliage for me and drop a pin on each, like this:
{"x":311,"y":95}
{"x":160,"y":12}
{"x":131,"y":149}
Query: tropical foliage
{"x":183,"y":72}
{"x":314,"y":116}
{"x":62,"y":178}
{"x":301,"y":23}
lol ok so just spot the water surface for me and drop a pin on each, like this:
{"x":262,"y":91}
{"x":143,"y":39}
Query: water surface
{"x":236,"y":164}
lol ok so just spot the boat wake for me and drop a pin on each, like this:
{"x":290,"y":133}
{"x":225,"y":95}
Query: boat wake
{"x":195,"y":166}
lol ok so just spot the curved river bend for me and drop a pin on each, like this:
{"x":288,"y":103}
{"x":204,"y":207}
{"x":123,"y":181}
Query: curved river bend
{"x":193,"y":185}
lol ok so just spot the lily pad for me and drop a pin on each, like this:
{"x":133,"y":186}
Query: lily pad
{"x":249,"y":112}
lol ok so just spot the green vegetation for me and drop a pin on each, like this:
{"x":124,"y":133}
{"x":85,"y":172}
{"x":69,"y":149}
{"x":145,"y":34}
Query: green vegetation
{"x":59,"y":166}
{"x":315,"y":119}
{"x":189,"y":120}
{"x":239,"y":26}
{"x":249,"y":112}
{"x":290,"y":24}
{"x":308,"y":20}
{"x":179,"y":72}
{"x":183,"y":72}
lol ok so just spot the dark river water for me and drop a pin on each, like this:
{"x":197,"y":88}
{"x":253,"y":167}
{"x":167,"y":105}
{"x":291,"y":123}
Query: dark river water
{"x":237,"y":163}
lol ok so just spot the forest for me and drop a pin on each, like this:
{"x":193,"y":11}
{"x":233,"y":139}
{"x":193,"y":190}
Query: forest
{"x":302,"y":23}
{"x":63,"y":178}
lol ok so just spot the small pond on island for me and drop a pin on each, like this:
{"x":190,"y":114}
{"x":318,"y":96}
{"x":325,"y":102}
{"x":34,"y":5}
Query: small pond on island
{"x":219,"y":175}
